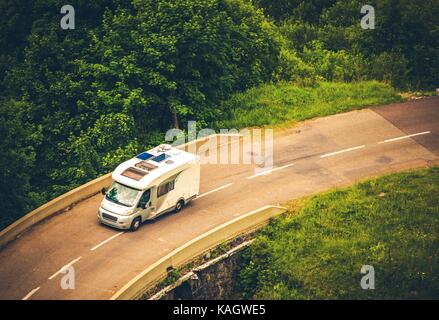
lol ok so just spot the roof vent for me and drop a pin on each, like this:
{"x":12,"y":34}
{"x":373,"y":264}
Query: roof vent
{"x":164,"y":147}
{"x":145,"y":166}
{"x":135,"y":174}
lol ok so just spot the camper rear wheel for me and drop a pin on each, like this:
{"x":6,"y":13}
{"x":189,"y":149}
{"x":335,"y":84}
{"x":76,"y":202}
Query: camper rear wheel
{"x":136,"y":224}
{"x":179,"y":206}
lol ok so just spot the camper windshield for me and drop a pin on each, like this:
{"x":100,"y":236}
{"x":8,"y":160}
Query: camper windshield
{"x":121,"y":194}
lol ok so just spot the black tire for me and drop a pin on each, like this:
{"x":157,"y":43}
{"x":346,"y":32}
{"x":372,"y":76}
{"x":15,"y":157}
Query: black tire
{"x":135,"y":224}
{"x":179,"y":206}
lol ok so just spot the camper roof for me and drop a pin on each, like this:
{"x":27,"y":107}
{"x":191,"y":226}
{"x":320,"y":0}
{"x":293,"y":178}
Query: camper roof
{"x":141,"y":171}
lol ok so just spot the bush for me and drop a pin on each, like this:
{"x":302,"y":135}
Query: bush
{"x":292,"y":68}
{"x":332,"y":65}
{"x":403,"y":49}
{"x":390,"y":67}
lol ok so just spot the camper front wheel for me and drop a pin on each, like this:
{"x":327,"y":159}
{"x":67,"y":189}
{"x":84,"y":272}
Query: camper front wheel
{"x":135,"y":224}
{"x":179,"y":206}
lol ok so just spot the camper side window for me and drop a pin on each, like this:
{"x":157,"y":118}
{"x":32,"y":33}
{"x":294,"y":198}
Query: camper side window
{"x":165,"y":188}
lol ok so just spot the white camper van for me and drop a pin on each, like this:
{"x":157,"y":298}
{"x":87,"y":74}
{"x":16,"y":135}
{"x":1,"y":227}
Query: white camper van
{"x":157,"y":181}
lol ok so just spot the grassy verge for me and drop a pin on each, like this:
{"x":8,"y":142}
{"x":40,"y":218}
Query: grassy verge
{"x":273,"y":104}
{"x":317,"y":251}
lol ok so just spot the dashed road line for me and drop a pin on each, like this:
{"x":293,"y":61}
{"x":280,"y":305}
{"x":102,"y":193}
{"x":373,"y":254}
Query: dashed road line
{"x":105,"y":241}
{"x":266,"y":172}
{"x":30,"y":294}
{"x":405,"y":137}
{"x":341,"y":151}
{"x":214,"y":190}
{"x":64,"y":268}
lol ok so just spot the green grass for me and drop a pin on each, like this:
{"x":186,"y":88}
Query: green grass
{"x":273,"y":104}
{"x":318,"y":249}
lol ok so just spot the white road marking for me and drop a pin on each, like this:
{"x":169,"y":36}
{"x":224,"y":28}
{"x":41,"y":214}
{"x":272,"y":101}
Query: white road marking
{"x":63,"y":268}
{"x":214,"y":190}
{"x":161,"y":240}
{"x":266,"y":172}
{"x":405,"y":137}
{"x":104,"y":242}
{"x":30,"y":294}
{"x":341,"y":151}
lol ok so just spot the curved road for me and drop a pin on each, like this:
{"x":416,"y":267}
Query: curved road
{"x":311,"y":157}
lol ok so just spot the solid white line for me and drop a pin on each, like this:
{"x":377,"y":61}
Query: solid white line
{"x":63,"y":268}
{"x":266,"y":172}
{"x":30,"y":294}
{"x":341,"y":151}
{"x":214,"y":190}
{"x":105,"y":241}
{"x":405,"y":137}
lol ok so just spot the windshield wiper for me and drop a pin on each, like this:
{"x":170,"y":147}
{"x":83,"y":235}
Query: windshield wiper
{"x":117,"y":202}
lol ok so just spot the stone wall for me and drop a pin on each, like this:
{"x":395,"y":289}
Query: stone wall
{"x":215,"y":279}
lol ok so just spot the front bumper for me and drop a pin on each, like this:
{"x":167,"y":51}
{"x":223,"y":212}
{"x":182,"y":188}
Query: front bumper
{"x":114,"y":220}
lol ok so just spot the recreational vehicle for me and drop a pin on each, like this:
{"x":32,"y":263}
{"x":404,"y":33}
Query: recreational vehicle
{"x":157,"y":181}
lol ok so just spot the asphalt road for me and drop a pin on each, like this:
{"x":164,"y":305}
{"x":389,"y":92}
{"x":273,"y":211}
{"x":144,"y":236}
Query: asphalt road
{"x":311,"y":157}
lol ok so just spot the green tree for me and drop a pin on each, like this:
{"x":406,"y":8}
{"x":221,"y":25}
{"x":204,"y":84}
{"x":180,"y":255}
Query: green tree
{"x":164,"y":62}
{"x":304,"y":10}
{"x":17,"y":160}
{"x":127,"y":73}
{"x":405,"y":30}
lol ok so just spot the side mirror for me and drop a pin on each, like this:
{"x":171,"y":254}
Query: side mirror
{"x":104,"y":191}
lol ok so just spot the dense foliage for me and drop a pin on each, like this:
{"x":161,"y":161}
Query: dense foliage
{"x":317,"y":252}
{"x":74,"y":103}
{"x":93,"y":96}
{"x":403,"y":49}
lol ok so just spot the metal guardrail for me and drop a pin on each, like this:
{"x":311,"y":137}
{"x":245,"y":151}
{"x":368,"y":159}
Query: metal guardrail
{"x":184,"y":254}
